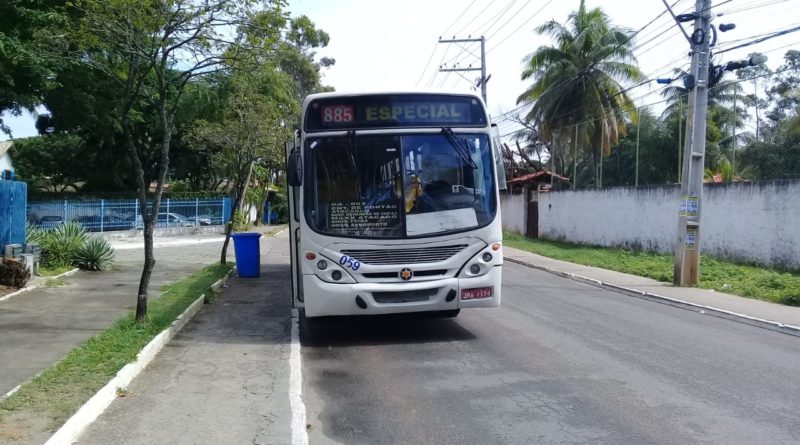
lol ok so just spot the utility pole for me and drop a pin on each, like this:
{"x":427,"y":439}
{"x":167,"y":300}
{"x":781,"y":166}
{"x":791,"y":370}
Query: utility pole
{"x":455,"y":69}
{"x":638,"y":130}
{"x":733,"y":155}
{"x":687,"y":250}
{"x":575,"y":161}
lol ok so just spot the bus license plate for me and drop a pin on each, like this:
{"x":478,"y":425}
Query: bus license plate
{"x":476,"y":293}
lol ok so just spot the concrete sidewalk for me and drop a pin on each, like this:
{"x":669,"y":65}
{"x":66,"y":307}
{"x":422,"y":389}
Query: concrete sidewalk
{"x":224,"y":378}
{"x":41,"y":326}
{"x":748,"y":307}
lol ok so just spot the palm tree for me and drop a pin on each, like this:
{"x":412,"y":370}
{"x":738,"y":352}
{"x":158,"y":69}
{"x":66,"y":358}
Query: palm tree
{"x":577,"y":80}
{"x":722,"y":121}
{"x":794,"y":122}
{"x":719,"y":96}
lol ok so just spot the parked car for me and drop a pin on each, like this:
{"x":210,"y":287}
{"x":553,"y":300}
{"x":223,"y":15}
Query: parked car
{"x":173,"y":220}
{"x":203,"y":220}
{"x":94,"y":223}
{"x":166,"y":220}
{"x":47,"y":221}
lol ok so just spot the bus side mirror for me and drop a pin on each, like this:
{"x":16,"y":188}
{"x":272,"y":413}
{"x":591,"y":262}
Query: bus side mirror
{"x":294,"y":169}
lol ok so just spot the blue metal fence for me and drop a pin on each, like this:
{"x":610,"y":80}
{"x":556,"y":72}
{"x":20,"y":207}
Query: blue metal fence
{"x":104,"y":215}
{"x":13,"y":196}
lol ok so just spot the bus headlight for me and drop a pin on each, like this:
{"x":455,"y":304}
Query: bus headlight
{"x":482,"y":262}
{"x":331,"y":272}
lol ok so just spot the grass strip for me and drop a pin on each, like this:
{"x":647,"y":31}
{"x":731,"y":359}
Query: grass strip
{"x":51,"y":272}
{"x":61,"y":389}
{"x":761,"y":283}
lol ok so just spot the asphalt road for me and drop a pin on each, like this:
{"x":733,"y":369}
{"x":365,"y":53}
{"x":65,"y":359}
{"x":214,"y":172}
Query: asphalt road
{"x":558,"y":363}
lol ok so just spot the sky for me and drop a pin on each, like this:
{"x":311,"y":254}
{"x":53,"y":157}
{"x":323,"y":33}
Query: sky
{"x":392,"y":45}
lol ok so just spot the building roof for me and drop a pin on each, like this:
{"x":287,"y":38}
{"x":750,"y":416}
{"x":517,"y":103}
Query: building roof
{"x":540,"y":176}
{"x":4,"y":146}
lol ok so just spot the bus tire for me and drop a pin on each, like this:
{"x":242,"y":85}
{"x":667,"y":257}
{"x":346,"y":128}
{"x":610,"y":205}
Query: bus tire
{"x":309,"y":326}
{"x":453,"y":313}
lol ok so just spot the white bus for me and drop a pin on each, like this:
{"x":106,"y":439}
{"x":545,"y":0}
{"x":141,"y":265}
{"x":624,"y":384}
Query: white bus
{"x":394,"y":205}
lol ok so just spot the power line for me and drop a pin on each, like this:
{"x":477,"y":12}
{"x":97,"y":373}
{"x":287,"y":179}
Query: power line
{"x":626,"y":109}
{"x":748,"y":8}
{"x":730,"y":43}
{"x":499,"y":16}
{"x":762,"y":39}
{"x":422,"y":74}
{"x":459,"y":16}
{"x":619,"y":45}
{"x":436,"y":72}
{"x":473,"y":19}
{"x":513,"y":15}
{"x":520,"y":26}
{"x":507,"y":113}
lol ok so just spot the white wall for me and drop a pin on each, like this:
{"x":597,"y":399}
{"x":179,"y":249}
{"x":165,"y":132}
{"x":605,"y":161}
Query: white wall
{"x":643,"y":218}
{"x":5,"y":163}
{"x":512,"y":208}
{"x":750,"y":222}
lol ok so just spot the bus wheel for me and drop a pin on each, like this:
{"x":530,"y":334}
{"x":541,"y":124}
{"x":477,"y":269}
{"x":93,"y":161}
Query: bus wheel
{"x":309,"y":327}
{"x":449,"y":314}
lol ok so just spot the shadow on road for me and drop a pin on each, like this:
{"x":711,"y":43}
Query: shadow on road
{"x":380,"y":330}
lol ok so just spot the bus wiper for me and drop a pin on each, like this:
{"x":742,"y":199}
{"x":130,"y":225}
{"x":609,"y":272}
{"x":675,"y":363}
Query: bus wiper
{"x":462,"y":150}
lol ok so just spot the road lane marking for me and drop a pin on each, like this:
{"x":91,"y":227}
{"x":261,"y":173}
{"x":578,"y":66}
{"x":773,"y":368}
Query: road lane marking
{"x":298,"y":408}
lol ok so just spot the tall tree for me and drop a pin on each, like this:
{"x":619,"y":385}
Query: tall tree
{"x":153,"y":50}
{"x":578,"y":79}
{"x":27,"y":53}
{"x":53,"y":162}
{"x":252,"y":131}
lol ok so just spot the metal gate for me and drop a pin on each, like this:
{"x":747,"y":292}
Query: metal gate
{"x":13,"y":202}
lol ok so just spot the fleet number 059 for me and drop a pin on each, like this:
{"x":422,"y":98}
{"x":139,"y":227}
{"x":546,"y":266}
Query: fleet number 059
{"x":350,"y":262}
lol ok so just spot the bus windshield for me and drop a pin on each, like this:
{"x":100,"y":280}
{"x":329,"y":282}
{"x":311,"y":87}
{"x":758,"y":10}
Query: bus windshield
{"x":398,"y":186}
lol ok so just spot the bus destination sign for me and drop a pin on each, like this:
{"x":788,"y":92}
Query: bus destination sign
{"x":389,"y":111}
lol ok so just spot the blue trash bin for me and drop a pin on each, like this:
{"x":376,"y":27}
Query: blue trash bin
{"x":248,"y":254}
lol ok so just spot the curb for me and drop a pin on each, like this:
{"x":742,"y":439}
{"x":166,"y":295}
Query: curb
{"x":686,"y":305}
{"x":37,"y":286}
{"x":98,"y":403}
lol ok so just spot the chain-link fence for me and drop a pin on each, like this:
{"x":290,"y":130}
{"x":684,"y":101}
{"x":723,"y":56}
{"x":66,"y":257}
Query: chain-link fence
{"x":103,"y":215}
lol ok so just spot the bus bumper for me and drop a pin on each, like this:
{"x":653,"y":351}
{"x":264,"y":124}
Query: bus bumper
{"x":325,"y":299}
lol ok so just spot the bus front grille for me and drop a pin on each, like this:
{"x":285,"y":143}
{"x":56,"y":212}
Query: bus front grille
{"x":413,"y":296}
{"x":417,"y":273}
{"x":404,"y":256}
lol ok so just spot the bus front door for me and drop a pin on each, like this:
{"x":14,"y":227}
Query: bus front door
{"x":293,"y":201}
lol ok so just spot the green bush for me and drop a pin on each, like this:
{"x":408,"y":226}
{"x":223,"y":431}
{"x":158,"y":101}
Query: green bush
{"x":96,"y":254}
{"x":68,"y":245}
{"x":61,"y":244}
{"x":34,"y":234}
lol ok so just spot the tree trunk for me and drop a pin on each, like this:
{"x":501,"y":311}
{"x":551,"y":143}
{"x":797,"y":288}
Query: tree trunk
{"x":237,"y":199}
{"x":150,"y":218}
{"x":246,"y":184}
{"x":147,"y":271}
{"x":223,"y":256}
